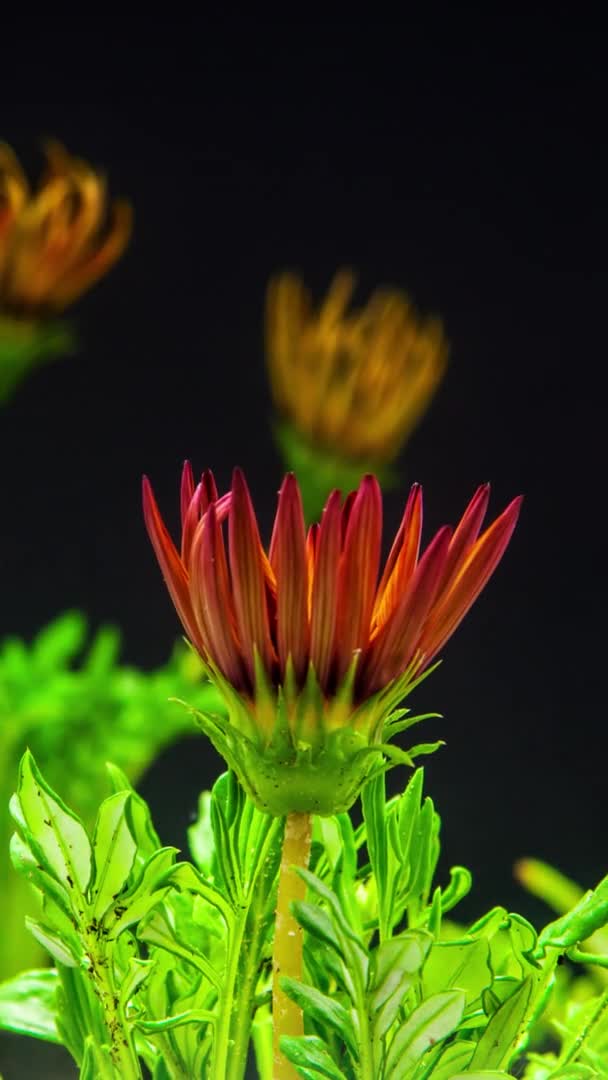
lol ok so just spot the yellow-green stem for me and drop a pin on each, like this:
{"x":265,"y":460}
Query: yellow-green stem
{"x":287,"y":955}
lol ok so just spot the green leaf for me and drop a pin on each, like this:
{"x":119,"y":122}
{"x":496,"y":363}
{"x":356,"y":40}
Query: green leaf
{"x":496,"y":1046}
{"x":149,"y":889}
{"x":144,"y":833}
{"x":58,"y":834}
{"x":310,"y":1052}
{"x":200,"y":836}
{"x":185,"y":876}
{"x":318,"y":923}
{"x":27,"y":1004}
{"x":395,"y":964}
{"x":113,"y":852}
{"x":588,"y":916}
{"x":436,"y":1018}
{"x":65,"y":949}
{"x":459,"y":887}
{"x":97,"y":1062}
{"x":455,"y":1056}
{"x":169,"y":1023}
{"x":157,"y":929}
{"x":325,"y":1010}
{"x":373,"y":801}
{"x":461,"y":965}
{"x":485,"y":1074}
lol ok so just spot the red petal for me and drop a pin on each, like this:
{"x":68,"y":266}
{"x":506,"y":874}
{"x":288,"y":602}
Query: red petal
{"x":288,"y":560}
{"x":187,"y":489}
{"x":190,"y":520}
{"x":209,"y":490}
{"x":397,"y":641}
{"x":323,"y":606}
{"x":171,"y":565}
{"x":474,"y":573}
{"x":247,"y":560}
{"x":212,"y":599}
{"x":358,"y":573}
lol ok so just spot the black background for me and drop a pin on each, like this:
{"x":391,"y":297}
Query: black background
{"x":463,"y":160}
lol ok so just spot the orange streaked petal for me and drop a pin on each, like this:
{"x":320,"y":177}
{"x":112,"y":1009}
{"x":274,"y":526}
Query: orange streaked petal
{"x":466,"y":534}
{"x":288,"y":561}
{"x":312,"y":541}
{"x":173,"y":570}
{"x":401,"y":561}
{"x":471,"y":579}
{"x":325,"y":589}
{"x":358,"y":572}
{"x":397,"y":642}
{"x":247,"y":559}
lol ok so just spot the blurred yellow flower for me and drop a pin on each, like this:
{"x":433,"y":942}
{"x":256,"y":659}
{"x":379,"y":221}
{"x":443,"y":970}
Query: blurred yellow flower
{"x":55,"y":242}
{"x":351,"y":383}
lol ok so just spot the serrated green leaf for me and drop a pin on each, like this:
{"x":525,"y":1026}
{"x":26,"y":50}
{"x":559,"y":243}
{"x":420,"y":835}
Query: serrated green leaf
{"x":498,"y":1041}
{"x":58,"y":833}
{"x":113,"y":852}
{"x":308,"y":1051}
{"x":28,"y":1006}
{"x":432,"y":1021}
{"x":325,"y":1010}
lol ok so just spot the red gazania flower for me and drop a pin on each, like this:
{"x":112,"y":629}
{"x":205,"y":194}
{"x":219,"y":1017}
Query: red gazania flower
{"x":314,"y":609}
{"x":315,"y":597}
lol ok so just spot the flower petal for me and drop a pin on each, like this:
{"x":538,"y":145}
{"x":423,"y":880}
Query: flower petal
{"x":247,"y":560}
{"x":288,"y":561}
{"x":358,"y":573}
{"x":401,"y":561}
{"x":397,"y":641}
{"x":212,"y":599}
{"x":173,"y":570}
{"x":474,"y":573}
{"x":465,"y":534}
{"x":186,"y":490}
{"x":325,"y":590}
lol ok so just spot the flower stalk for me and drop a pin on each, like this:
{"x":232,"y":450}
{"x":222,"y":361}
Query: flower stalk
{"x":288,"y":941}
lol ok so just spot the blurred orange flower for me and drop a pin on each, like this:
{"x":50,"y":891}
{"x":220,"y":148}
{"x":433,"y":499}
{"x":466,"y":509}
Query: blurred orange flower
{"x":55,"y":242}
{"x":353,"y":383}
